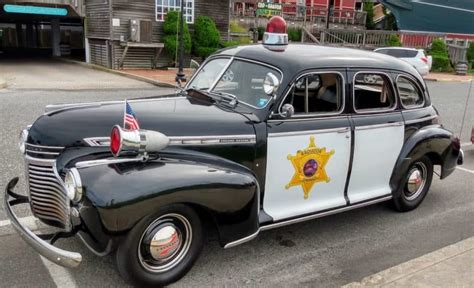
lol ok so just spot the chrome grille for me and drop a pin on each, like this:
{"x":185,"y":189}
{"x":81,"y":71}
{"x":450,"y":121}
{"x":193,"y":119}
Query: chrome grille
{"x":47,"y":197}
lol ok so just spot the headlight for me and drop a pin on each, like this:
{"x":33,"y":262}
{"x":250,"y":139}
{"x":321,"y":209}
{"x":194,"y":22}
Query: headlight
{"x":73,"y":185}
{"x":22,"y":140}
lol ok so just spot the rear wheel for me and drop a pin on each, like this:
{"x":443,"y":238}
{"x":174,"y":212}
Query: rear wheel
{"x":417,"y":182}
{"x":161,"y":248}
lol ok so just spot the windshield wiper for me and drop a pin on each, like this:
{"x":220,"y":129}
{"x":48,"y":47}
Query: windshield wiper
{"x":228,"y":98}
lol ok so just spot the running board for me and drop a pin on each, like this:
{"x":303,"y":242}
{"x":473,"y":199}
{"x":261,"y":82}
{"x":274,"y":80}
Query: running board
{"x":308,"y":217}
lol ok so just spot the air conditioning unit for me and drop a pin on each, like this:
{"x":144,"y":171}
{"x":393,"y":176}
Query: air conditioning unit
{"x":141,"y":30}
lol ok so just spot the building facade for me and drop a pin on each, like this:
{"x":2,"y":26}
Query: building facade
{"x":128,"y":34}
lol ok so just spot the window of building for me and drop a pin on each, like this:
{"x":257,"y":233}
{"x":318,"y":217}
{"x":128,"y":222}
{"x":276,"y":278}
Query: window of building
{"x":410,"y":94}
{"x":373,"y":91}
{"x":317,"y":93}
{"x":164,"y":6}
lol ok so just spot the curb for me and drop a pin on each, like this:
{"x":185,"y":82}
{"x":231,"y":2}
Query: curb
{"x":3,"y":83}
{"x":414,"y":266}
{"x":447,"y":80}
{"x":120,"y":73}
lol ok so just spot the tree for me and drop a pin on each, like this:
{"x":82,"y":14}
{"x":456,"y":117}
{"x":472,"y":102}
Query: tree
{"x":439,"y":53}
{"x":170,"y":38}
{"x":206,"y":37}
{"x":369,"y":9}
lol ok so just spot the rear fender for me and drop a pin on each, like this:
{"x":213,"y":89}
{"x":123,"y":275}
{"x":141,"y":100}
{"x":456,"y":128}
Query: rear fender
{"x":432,"y":141}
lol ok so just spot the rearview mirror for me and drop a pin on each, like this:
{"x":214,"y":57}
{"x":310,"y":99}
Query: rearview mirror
{"x":287,"y":111}
{"x":270,"y":84}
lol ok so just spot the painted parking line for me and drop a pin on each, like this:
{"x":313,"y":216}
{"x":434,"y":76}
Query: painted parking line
{"x":465,"y":170}
{"x":28,"y":221}
{"x":466,"y":144}
{"x":59,"y":274}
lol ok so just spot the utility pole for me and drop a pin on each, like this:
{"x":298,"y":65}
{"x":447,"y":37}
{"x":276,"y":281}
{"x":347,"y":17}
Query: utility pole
{"x":180,"y":76}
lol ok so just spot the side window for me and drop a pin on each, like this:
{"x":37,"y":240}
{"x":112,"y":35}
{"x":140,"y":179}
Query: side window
{"x":410,"y":94}
{"x":317,"y":93}
{"x":373,"y":91}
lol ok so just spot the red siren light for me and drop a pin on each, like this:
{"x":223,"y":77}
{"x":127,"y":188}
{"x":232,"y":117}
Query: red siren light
{"x":276,"y":37}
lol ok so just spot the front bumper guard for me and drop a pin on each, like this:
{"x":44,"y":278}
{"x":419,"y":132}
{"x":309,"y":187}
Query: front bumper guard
{"x":46,"y":249}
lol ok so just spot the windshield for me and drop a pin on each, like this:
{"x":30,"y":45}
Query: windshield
{"x":241,"y":79}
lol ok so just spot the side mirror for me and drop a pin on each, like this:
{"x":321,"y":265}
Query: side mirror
{"x":287,"y":111}
{"x":270,"y":84}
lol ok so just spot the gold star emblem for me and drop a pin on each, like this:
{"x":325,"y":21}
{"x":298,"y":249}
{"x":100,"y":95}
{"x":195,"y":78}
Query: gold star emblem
{"x":309,"y":167}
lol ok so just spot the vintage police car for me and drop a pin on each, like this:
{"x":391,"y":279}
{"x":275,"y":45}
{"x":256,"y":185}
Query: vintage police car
{"x":262,"y":136}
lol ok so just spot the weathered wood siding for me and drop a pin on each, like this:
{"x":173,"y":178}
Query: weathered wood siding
{"x":99,"y":52}
{"x":101,"y":13}
{"x":98,"y":19}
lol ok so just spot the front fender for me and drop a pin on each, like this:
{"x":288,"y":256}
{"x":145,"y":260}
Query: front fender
{"x":432,"y":141}
{"x":124,"y":193}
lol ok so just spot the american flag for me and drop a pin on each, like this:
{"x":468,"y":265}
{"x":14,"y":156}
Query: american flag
{"x":130,"y":119}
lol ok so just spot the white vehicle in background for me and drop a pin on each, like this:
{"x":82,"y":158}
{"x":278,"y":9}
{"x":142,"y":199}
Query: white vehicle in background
{"x":416,"y":57}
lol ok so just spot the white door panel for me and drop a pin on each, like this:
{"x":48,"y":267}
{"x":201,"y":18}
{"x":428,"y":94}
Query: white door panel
{"x":376,"y":150}
{"x":295,"y":165}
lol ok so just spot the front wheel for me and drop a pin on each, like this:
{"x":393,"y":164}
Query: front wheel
{"x":161,"y":248}
{"x":416,"y":184}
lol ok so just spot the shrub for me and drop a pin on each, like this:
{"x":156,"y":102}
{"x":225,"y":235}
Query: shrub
{"x":441,"y":63}
{"x":261,"y":31}
{"x":206,"y":38}
{"x":438,"y":47}
{"x":235,"y":27}
{"x":294,"y":34}
{"x":170,"y":29}
{"x":394,"y":41}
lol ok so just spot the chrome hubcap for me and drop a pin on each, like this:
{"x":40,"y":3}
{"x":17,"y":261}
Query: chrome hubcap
{"x":416,"y":181}
{"x":164,"y":243}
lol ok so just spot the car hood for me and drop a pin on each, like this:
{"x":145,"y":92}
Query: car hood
{"x":68,"y":126}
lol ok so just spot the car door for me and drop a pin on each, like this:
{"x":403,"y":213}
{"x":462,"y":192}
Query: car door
{"x":308,"y":154}
{"x":378,"y":134}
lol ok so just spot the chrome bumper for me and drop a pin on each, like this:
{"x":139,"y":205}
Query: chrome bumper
{"x":461,"y":157}
{"x":61,"y":257}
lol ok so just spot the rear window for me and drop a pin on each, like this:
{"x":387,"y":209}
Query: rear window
{"x":399,"y":53}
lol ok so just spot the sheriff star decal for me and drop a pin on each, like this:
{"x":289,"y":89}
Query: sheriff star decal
{"x":309,"y":167}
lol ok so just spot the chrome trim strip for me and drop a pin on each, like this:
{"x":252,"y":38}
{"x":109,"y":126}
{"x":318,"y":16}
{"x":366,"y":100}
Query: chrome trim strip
{"x":243,"y":240}
{"x":42,"y":152}
{"x":369,"y":127}
{"x":314,"y":115}
{"x":322,"y":131}
{"x":327,"y":213}
{"x":411,"y":79}
{"x":379,"y":110}
{"x":414,"y":121}
{"x":45,"y":147}
{"x":341,"y":116}
{"x":307,"y":218}
{"x":188,"y":140}
{"x":39,"y":161}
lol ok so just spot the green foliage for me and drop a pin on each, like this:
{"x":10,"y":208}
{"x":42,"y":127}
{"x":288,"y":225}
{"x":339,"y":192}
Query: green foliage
{"x":206,"y":38}
{"x":294,"y":34}
{"x":231,"y":43}
{"x":438,"y":47}
{"x":369,"y":9}
{"x":394,"y":41}
{"x":470,"y":53}
{"x":441,"y":64}
{"x":439,"y":52}
{"x":235,"y":27}
{"x":170,"y":29}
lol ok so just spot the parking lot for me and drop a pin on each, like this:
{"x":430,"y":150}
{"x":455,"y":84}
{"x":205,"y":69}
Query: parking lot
{"x":327,"y":252}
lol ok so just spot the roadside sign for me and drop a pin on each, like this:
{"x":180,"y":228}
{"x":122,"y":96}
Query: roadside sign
{"x":265,"y":9}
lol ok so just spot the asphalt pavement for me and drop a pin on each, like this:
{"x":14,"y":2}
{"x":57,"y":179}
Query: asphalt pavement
{"x":326,"y":252}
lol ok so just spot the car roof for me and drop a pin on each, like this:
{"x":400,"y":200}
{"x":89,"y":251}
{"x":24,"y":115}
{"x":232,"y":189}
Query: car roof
{"x":299,"y":57}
